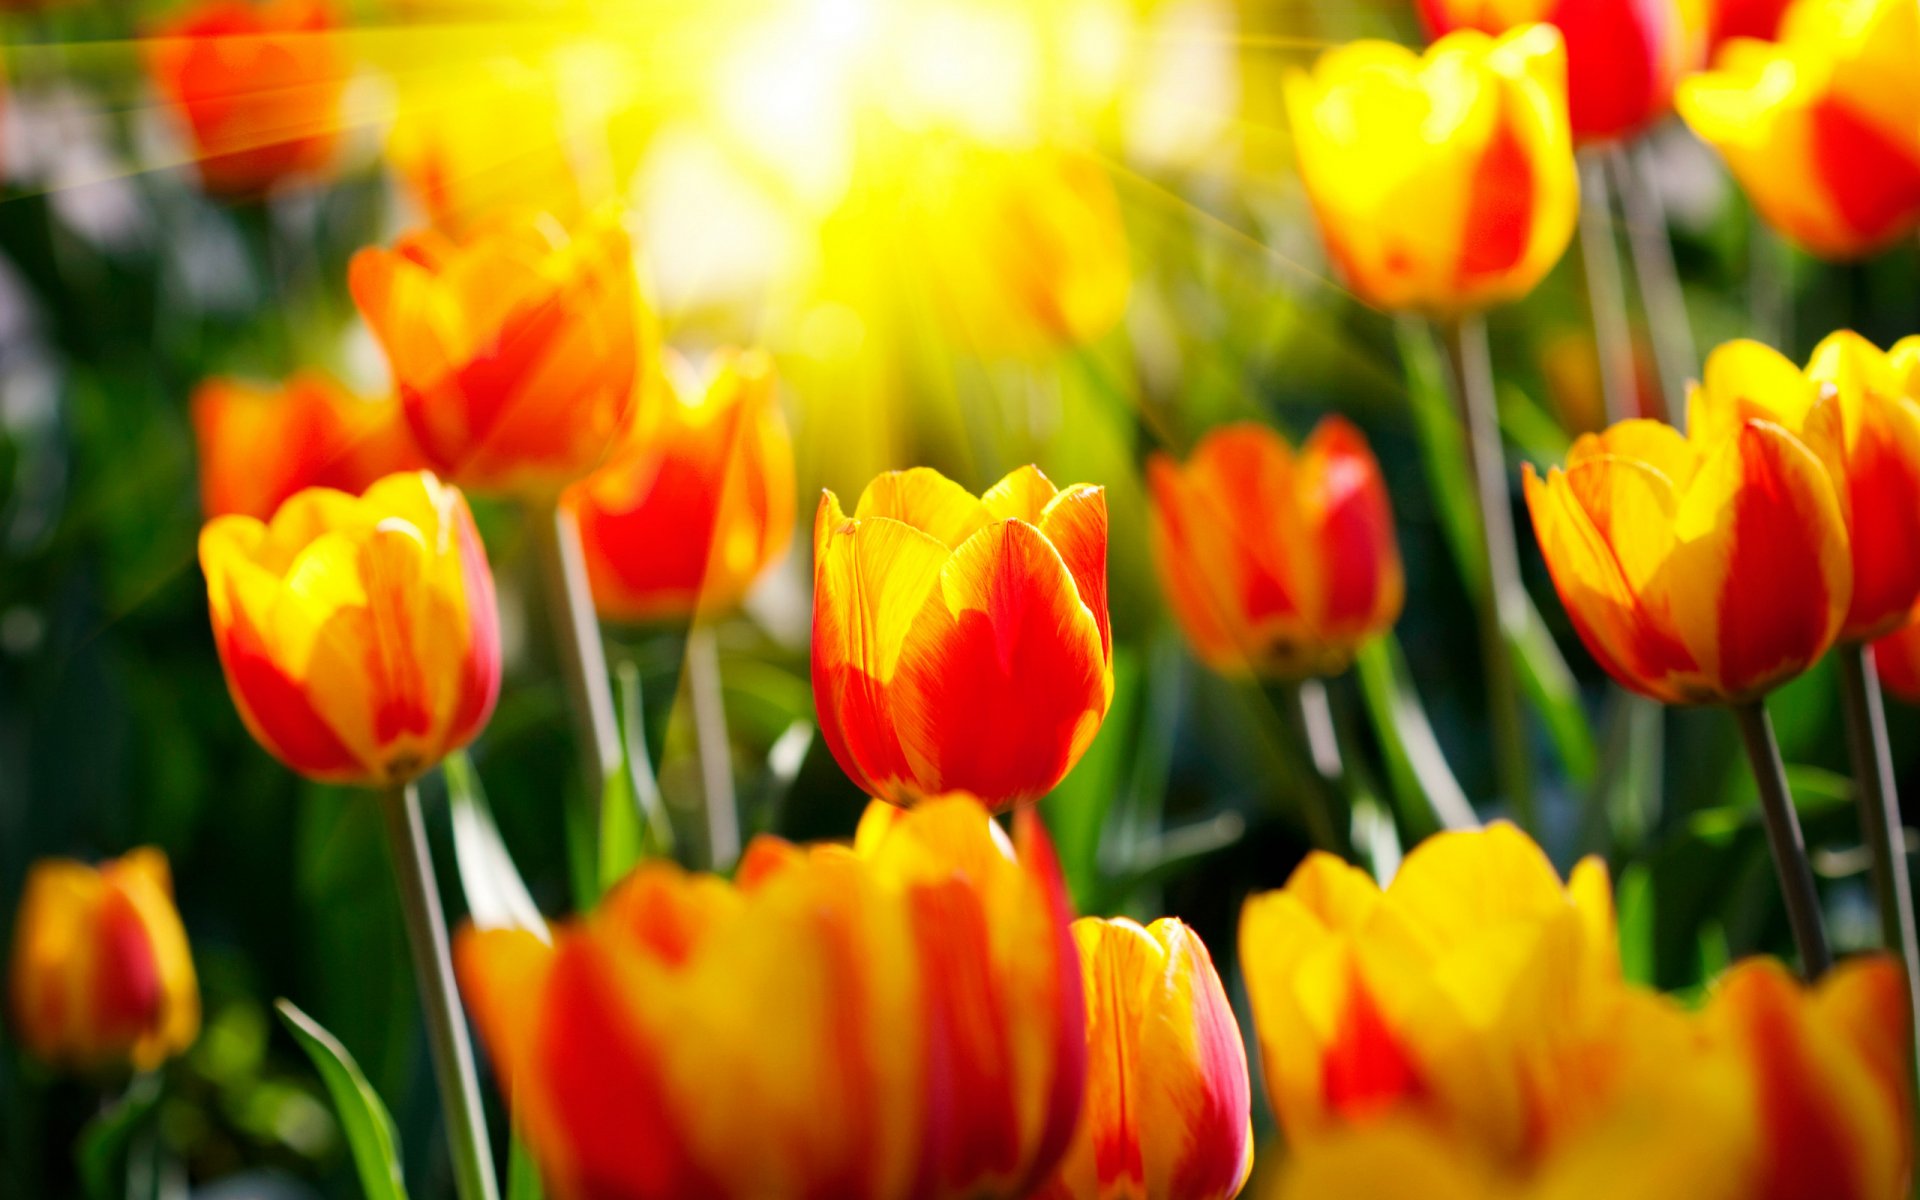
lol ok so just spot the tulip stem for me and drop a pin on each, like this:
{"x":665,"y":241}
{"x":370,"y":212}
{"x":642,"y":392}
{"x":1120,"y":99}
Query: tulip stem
{"x":1606,"y":293}
{"x":1788,"y":844}
{"x":583,"y":658}
{"x":1309,"y":719}
{"x":452,"y":1052}
{"x":1880,"y":810}
{"x":716,"y":750}
{"x":1503,"y":599}
{"x":1660,"y":291}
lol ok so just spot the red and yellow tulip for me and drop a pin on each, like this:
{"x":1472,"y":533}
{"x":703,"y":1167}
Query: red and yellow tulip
{"x":698,"y":503}
{"x":1822,"y":128}
{"x":1702,"y":570}
{"x":359,"y":634}
{"x":518,"y":351}
{"x":1165,"y":1115}
{"x":1623,"y":56}
{"x":258,"y":86}
{"x":1473,"y":136}
{"x":1276,"y":564}
{"x":101,"y":972}
{"x":960,"y":642}
{"x":927,"y":1039}
{"x":260,"y":445}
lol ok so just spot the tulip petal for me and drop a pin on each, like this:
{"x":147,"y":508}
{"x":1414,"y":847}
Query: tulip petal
{"x":1745,"y":380}
{"x":1023,"y":495}
{"x":1363,"y":585}
{"x":1075,"y":521}
{"x":926,"y":500}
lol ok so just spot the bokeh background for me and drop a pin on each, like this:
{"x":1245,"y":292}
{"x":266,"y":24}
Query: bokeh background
{"x":779,"y":160}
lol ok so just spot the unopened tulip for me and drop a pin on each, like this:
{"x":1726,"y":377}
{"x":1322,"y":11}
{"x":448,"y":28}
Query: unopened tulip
{"x":1822,"y":128}
{"x":517,"y":351}
{"x":701,"y":500}
{"x":961,"y":642}
{"x":260,"y":445}
{"x":1165,"y":1115}
{"x":1697,"y":571}
{"x":1472,"y":136}
{"x":1276,"y":564}
{"x":1623,"y":56}
{"x":1476,"y":993}
{"x":358,"y":633}
{"x":258,"y":87}
{"x":101,"y":972}
{"x":902,"y":1019}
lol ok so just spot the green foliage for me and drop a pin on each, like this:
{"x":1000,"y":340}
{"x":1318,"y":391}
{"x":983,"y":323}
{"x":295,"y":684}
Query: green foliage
{"x":369,"y":1130}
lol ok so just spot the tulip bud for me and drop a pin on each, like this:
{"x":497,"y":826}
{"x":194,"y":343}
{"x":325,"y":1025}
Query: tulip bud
{"x":101,"y":971}
{"x":1276,"y":565}
{"x":358,"y":634}
{"x":1473,"y":135}
{"x":960,"y":643}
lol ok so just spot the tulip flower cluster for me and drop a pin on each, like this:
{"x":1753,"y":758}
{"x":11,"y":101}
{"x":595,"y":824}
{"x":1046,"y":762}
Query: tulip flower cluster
{"x":1468,"y":1027}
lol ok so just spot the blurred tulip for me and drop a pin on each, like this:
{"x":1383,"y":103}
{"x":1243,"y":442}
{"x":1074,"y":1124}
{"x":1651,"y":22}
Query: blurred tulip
{"x":1570,"y":365}
{"x":358,"y":634}
{"x":1698,"y":571}
{"x":1276,"y":565}
{"x":961,"y":643}
{"x":1717,"y":22}
{"x":698,"y":503}
{"x":1896,"y":659}
{"x":902,"y":1019}
{"x":258,"y":86}
{"x":1473,"y":136}
{"x":1025,"y":249}
{"x":490,"y":143}
{"x":1822,"y":128}
{"x":1623,"y":56}
{"x":260,"y":445}
{"x":1165,"y":1116}
{"x":101,"y":971}
{"x":1850,"y":406}
{"x":517,"y":351}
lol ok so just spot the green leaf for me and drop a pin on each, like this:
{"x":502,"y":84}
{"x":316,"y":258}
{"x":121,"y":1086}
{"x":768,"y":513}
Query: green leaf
{"x":523,"y":1174}
{"x":102,"y":1149}
{"x":363,"y":1118}
{"x":1076,"y":810}
{"x":497,"y":898}
{"x":633,"y":820}
{"x":1634,"y":902}
{"x":1425,"y":792}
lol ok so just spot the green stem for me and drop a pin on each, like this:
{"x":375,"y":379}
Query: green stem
{"x":1872,"y":754}
{"x":1660,"y":293}
{"x":453,"y":1067}
{"x":1503,"y":597}
{"x":1788,"y":844}
{"x":716,"y":750}
{"x":583,"y":658}
{"x":1325,"y":798}
{"x":1606,"y":294}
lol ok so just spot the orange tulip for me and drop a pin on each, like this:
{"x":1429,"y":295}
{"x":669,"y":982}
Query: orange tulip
{"x":961,"y":643}
{"x":1697,"y":571}
{"x":1276,"y":565}
{"x":259,"y":446}
{"x":517,"y":351}
{"x":1165,"y":1116}
{"x":699,"y":503}
{"x":258,"y":86}
{"x":1822,"y":128}
{"x":101,"y":971}
{"x":1623,"y":56}
{"x":358,"y":634}
{"x":1473,"y":136}
{"x":490,"y":143}
{"x":1853,"y":408}
{"x":902,"y":1019}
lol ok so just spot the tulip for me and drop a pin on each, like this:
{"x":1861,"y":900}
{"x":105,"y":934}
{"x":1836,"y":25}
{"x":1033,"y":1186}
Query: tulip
{"x":1717,"y":22}
{"x":101,"y":972}
{"x":898,"y":1019}
{"x":1277,"y":565}
{"x":517,"y":351}
{"x":1697,"y":571}
{"x":961,"y":643}
{"x":1473,"y":136}
{"x":358,"y":634}
{"x":258,"y":87}
{"x":488,"y":144}
{"x":1165,"y":1116}
{"x":1476,"y":993}
{"x":699,"y":503}
{"x":258,"y":446}
{"x":1622,"y":55}
{"x":1026,"y":249}
{"x":1822,"y":128}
